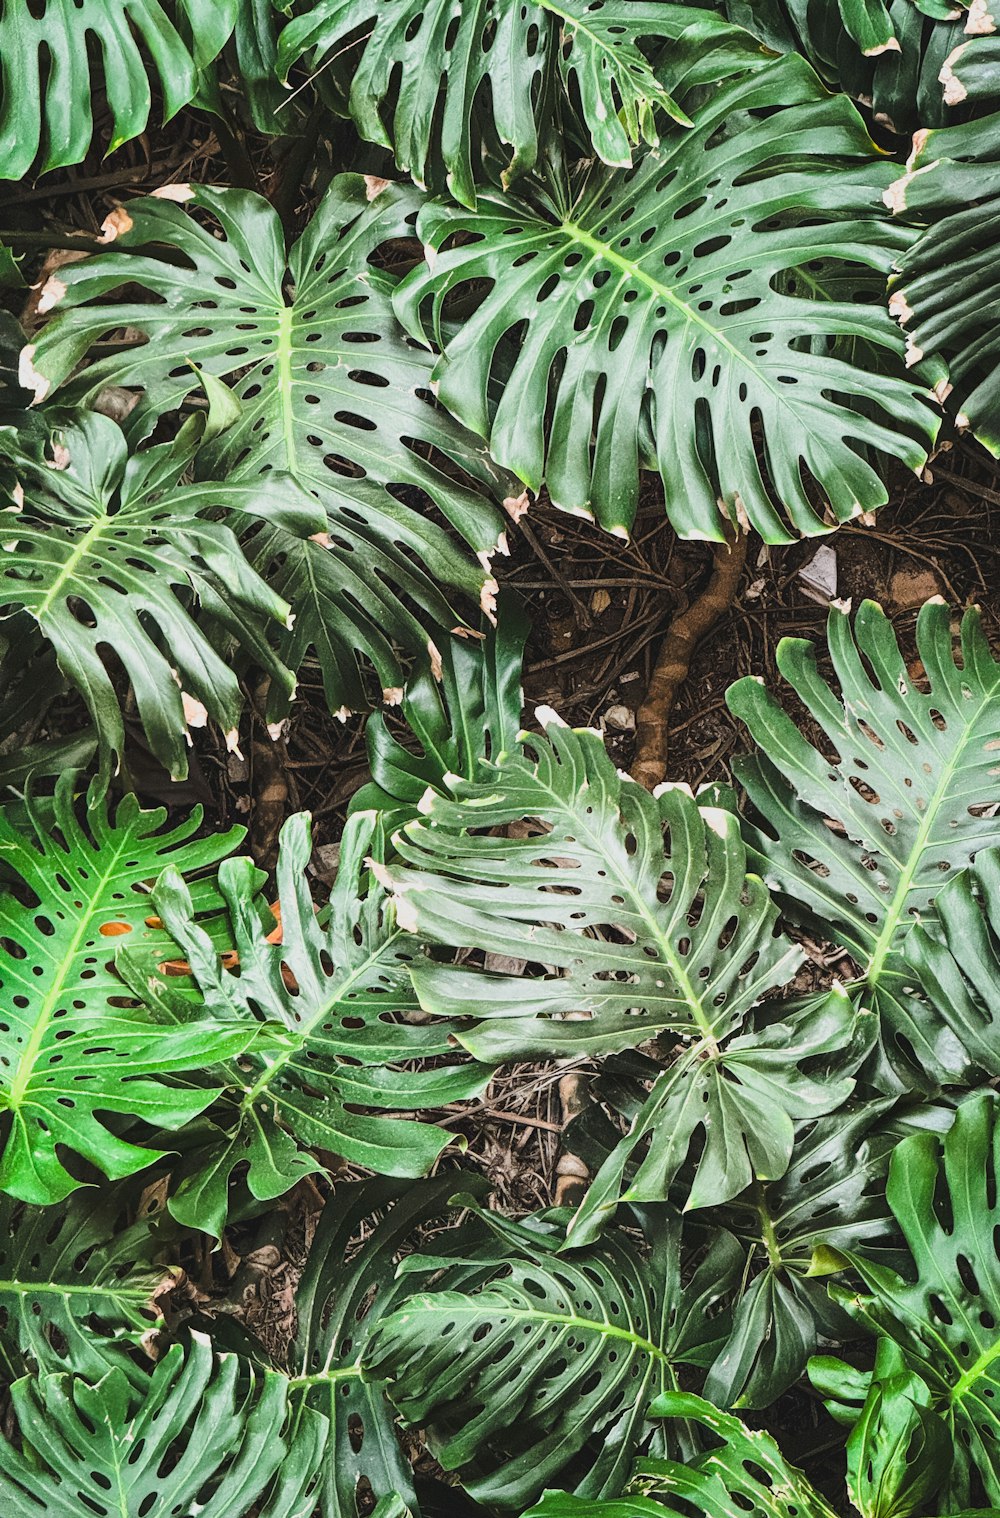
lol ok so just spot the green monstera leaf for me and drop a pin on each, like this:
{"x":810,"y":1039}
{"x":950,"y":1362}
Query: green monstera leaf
{"x":861,"y":832}
{"x":331,"y":394}
{"x":47,"y":112}
{"x":193,"y":1442}
{"x":103,"y":553}
{"x":548,"y":1366}
{"x":504,"y":65}
{"x":943,"y":291}
{"x":603,"y":893}
{"x":956,"y":961}
{"x":661,"y":316}
{"x":340,"y":1047}
{"x":79,"y":1287}
{"x":639,"y":912}
{"x":341,"y":1300}
{"x":941,"y":1311}
{"x":74,"y":1054}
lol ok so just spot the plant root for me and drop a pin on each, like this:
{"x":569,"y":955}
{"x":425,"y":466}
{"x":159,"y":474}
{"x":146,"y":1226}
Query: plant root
{"x":674,"y":659}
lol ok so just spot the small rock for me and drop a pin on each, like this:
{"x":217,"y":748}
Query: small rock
{"x":620,"y":718}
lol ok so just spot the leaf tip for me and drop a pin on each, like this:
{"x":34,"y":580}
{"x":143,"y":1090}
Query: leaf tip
{"x":115,"y":224}
{"x":29,"y":378}
{"x":179,"y":193}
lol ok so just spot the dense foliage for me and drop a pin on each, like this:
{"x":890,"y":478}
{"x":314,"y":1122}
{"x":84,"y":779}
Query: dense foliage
{"x":278,"y":429}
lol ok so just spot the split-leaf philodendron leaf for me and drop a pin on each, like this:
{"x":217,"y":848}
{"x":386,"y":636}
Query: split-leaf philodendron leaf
{"x":76,"y":1054}
{"x":681,"y":312}
{"x":861,"y":831}
{"x":341,"y":1051}
{"x":331,"y":394}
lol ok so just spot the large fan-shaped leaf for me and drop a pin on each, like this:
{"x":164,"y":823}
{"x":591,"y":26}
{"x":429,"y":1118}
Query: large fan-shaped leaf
{"x":345,"y":1049}
{"x":105,"y":553}
{"x":604,"y":893}
{"x":861,"y":834}
{"x":331,"y":393}
{"x":642,"y":911}
{"x":78,"y":1287}
{"x":942,"y":1310}
{"x":340,"y":1301}
{"x":192,"y":1443}
{"x":512,"y":1381}
{"x":677,"y":312}
{"x":944,"y":292}
{"x":72,"y":1053}
{"x":503,"y":60}
{"x":48,"y":71}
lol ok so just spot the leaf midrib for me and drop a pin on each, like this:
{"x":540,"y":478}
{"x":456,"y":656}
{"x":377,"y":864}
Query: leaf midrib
{"x":904,"y":885}
{"x":26,"y":1064}
{"x":474,"y":1309}
{"x":303,"y":1032}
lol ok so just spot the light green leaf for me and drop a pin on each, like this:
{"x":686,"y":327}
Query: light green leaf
{"x":72,"y":1054}
{"x":339,"y":1047}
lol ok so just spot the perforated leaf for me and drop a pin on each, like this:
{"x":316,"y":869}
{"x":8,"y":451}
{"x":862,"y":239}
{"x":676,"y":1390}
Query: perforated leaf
{"x":740,"y":1098}
{"x":331,"y":394}
{"x":78,"y":1287}
{"x":943,"y":294}
{"x":743,"y":1472}
{"x":50,"y":75}
{"x":342,"y":1052}
{"x":106,"y":554}
{"x":543,"y":1375}
{"x":73,"y":1051}
{"x":831,"y":1198}
{"x":861,"y":831}
{"x":635,"y":910}
{"x":603,"y":892}
{"x":941,"y":1311}
{"x":340,"y":1301}
{"x":677,"y":315}
{"x":196,"y":1441}
{"x":506,"y":69}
